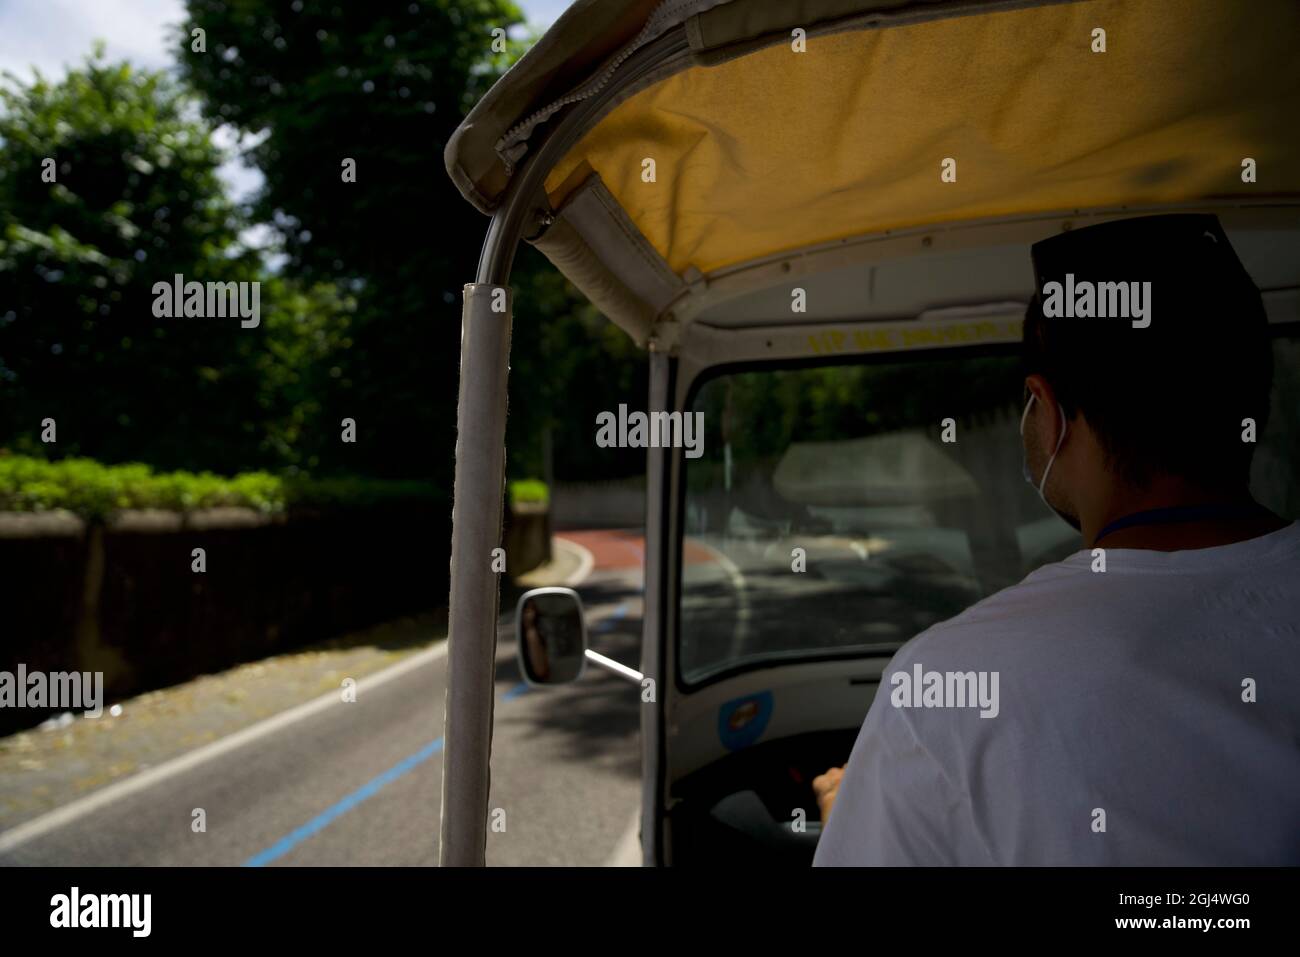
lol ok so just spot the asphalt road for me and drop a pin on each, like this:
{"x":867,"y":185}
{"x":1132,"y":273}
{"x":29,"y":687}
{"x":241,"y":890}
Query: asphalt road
{"x":359,"y":783}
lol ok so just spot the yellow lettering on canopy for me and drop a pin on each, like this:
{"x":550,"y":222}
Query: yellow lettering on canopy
{"x":869,"y":340}
{"x":895,"y":339}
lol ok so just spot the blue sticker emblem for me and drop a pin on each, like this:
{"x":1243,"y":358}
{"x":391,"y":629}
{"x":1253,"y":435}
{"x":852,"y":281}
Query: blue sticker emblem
{"x":742,"y":721}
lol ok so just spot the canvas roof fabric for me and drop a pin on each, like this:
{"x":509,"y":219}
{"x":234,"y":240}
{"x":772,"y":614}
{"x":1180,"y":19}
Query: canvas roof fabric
{"x":750,"y":141}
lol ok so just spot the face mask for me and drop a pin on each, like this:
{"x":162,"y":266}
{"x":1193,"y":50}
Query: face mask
{"x":1059,"y":442}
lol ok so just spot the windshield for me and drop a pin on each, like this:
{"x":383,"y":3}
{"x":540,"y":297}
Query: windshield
{"x":843,"y":509}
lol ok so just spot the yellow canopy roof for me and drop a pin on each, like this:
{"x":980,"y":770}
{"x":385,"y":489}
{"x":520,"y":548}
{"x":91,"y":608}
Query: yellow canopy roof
{"x":779,"y":150}
{"x":761,"y":145}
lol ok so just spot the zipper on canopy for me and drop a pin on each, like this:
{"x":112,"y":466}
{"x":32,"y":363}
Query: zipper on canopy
{"x":512,"y":145}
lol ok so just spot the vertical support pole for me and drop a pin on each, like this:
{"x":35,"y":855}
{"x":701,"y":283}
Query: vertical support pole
{"x":658,"y":541}
{"x":475,"y":589}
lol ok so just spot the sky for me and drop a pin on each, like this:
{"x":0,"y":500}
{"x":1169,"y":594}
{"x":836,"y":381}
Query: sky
{"x":52,"y":34}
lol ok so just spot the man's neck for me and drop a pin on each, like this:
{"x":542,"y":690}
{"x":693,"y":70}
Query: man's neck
{"x":1233,"y":517}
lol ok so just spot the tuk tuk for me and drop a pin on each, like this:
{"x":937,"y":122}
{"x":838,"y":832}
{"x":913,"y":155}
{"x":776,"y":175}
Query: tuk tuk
{"x":815,"y":218}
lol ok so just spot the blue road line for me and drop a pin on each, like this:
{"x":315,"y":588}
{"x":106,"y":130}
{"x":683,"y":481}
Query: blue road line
{"x":375,"y":784}
{"x":608,"y":622}
{"x":322,"y":820}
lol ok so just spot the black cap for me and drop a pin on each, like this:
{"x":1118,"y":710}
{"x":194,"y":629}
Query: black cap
{"x":1187,"y":258}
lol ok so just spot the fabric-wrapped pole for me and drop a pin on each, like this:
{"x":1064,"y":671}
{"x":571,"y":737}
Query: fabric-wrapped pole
{"x":476,"y":531}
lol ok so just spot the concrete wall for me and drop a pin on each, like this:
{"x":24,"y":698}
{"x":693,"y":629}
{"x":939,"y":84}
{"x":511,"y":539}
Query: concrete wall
{"x":121,"y":597}
{"x":527,"y":537}
{"x":617,"y":503}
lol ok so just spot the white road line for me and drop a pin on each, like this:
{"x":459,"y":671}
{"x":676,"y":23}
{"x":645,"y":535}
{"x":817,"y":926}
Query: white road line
{"x":627,"y":852}
{"x":62,"y":816}
{"x":586,"y":561}
{"x":739,"y":633}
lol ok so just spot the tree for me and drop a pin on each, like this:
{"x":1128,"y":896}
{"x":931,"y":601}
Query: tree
{"x":376,"y":88}
{"x":568,"y":363}
{"x":108,"y":185}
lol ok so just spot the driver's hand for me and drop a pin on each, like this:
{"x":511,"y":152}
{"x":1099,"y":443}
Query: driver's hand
{"x":826,"y":786}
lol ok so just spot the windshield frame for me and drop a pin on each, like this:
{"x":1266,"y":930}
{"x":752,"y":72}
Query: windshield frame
{"x":726,"y":671}
{"x":1284,"y":328}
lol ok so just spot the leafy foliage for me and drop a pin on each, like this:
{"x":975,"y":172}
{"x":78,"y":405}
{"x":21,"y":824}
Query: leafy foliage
{"x":759,"y":414}
{"x":367,"y":328}
{"x":529,"y":491}
{"x":136,"y":200}
{"x":567,"y":364}
{"x":94,"y":490}
{"x":383,"y":83}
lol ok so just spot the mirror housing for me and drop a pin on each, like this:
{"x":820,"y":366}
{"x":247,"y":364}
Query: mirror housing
{"x":551,"y":631}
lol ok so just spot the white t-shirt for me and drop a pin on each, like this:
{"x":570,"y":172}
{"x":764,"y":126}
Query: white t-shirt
{"x":1145,"y":715}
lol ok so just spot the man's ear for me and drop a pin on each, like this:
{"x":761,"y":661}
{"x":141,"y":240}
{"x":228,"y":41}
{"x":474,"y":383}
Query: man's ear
{"x":1050,"y":409}
{"x":1038,"y":387}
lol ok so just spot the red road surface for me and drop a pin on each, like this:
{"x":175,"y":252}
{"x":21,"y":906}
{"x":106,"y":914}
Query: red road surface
{"x":625,"y":548}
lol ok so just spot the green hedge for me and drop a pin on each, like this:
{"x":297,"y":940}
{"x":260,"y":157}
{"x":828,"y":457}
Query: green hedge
{"x":529,"y":491}
{"x":94,"y":490}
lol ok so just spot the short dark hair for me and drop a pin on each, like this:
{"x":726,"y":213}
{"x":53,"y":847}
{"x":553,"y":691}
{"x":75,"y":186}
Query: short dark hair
{"x":1167,"y":399}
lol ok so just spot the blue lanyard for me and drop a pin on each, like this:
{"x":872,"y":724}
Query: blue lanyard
{"x":1180,"y":513}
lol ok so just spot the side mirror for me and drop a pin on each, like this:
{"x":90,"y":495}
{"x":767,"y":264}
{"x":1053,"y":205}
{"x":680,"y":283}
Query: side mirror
{"x":552,"y":635}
